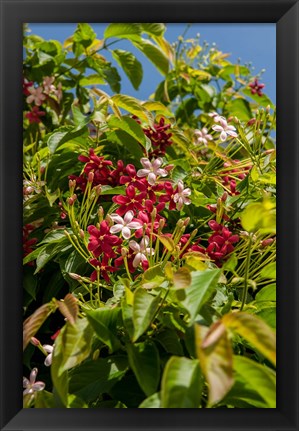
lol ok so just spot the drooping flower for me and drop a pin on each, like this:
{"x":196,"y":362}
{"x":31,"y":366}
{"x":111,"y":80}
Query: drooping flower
{"x":181,"y":195}
{"x":34,"y":115}
{"x":104,"y":266}
{"x":202,"y":136}
{"x":152,"y":170}
{"x":124,"y":225}
{"x":141,"y":251}
{"x":36,"y":95}
{"x":48,"y":84}
{"x":224,"y":129}
{"x":31,"y":385}
{"x":49,"y":349}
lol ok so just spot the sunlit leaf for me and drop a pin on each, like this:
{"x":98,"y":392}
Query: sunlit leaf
{"x":255,"y":331}
{"x":130,"y":126}
{"x":145,"y":307}
{"x":32,"y":324}
{"x":69,"y":308}
{"x":181,"y":383}
{"x":130,"y":65}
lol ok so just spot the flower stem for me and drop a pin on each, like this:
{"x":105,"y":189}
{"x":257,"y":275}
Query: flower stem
{"x":244,"y":296}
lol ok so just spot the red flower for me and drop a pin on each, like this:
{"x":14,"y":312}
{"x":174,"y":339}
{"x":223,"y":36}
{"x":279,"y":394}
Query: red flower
{"x":256,"y":88}
{"x":26,"y":85}
{"x":130,"y":202}
{"x":221,"y":242}
{"x":34,"y":115}
{"x":101,"y":240}
{"x":131,"y":179}
{"x":98,"y":166}
{"x":159,"y":137}
{"x":145,"y":219}
{"x":104,"y":268}
{"x":169,"y":196}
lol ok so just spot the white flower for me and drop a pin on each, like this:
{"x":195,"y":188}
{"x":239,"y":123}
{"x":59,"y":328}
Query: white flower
{"x":141,"y":250}
{"x":216,"y":117}
{"x":48,"y":84}
{"x":151,"y":170}
{"x":36,"y":96}
{"x":49,"y":349}
{"x":180,"y":198}
{"x":225,"y":129}
{"x":124,"y":225}
{"x":31,"y":385}
{"x":202,"y":136}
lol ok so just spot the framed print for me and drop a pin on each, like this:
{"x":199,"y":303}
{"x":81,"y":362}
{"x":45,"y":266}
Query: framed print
{"x":138,"y":160}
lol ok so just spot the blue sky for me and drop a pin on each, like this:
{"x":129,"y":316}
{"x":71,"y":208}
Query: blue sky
{"x":254,"y":43}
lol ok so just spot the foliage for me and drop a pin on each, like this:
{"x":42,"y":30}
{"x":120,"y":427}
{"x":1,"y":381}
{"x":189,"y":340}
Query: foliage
{"x":149,"y":226}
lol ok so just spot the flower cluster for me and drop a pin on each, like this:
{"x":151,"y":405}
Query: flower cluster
{"x":256,"y":87}
{"x":160,"y":138}
{"x":231,"y":176}
{"x":220,"y":242}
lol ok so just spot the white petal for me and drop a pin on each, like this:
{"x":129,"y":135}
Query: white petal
{"x":116,"y":228}
{"x":25,"y":382}
{"x":187,"y":192}
{"x":217,"y":128}
{"x":187,"y":201}
{"x":231,"y":133}
{"x":223,"y":136}
{"x":146,"y":163}
{"x":128,"y":217}
{"x":126,"y":233}
{"x":157,"y":163}
{"x":180,"y":203}
{"x":117,"y":218}
{"x":38,"y":386}
{"x":151,"y":179}
{"x":48,"y":348}
{"x":143,"y":172}
{"x":134,"y":246}
{"x":176,"y":197}
{"x":204,"y":130}
{"x":33,"y":375}
{"x":48,"y":360}
{"x":162,"y":172}
{"x":143,"y":257}
{"x":28,"y":391}
{"x":134,"y":225}
{"x":137,"y":260}
{"x":230,"y":128}
{"x":180,"y":186}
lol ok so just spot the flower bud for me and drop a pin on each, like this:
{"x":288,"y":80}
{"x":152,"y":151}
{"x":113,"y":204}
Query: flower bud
{"x":81,"y":233}
{"x":72,"y":184}
{"x":74,"y":276}
{"x":34,"y":341}
{"x":224,"y":196}
{"x":180,"y":223}
{"x":187,"y":221}
{"x":90,"y":177}
{"x":98,"y":189}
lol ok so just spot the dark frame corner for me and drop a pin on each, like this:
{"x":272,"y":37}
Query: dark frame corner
{"x":285,"y":13}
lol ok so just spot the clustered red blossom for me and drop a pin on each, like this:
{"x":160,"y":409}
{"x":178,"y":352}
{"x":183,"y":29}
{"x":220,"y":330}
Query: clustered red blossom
{"x":256,"y":87}
{"x":229,"y":176}
{"x":28,"y":242}
{"x":126,"y":238}
{"x":159,"y":137}
{"x":220,"y":242}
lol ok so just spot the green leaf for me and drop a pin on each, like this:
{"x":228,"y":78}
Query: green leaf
{"x":259,"y":378}
{"x":93,"y":378}
{"x":239,"y":108}
{"x":133,"y":106}
{"x":104,"y":322}
{"x":158,"y":107}
{"x":259,"y":216}
{"x":167,"y":242}
{"x":243,"y":395}
{"x":144,"y":361}
{"x":145,"y":307}
{"x":152,"y":402}
{"x":153,"y":277}
{"x":181,"y":384}
{"x":215,"y":361}
{"x":255,"y":331}
{"x":123,"y":30}
{"x":60,"y":137}
{"x":267,"y":293}
{"x":153,"y":28}
{"x":126,"y":142}
{"x":84,"y":34}
{"x":260,"y":100}
{"x":50,"y":251}
{"x":130,"y":65}
{"x":170,"y":342}
{"x":269,"y":271}
{"x":108,"y":190}
{"x":203,"y":284}
{"x":94,"y":79}
{"x":130,"y":126}
{"x":154,"y":54}
{"x":44,"y":400}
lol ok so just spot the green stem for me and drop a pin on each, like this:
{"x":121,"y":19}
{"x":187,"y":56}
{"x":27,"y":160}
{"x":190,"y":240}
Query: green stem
{"x":244,"y":296}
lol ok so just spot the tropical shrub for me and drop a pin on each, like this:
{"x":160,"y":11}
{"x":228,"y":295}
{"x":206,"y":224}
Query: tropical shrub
{"x":149,"y":226}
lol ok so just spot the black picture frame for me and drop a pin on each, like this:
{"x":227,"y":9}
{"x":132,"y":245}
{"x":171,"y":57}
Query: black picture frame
{"x":285,"y":13}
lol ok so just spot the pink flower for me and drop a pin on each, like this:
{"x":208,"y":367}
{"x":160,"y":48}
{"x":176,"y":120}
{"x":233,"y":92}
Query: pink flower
{"x":202,"y":136}
{"x":48,"y":84}
{"x":36,"y":95}
{"x":31,"y":385}
{"x":49,"y":349}
{"x":151,"y":170}
{"x":181,"y":195}
{"x":124,"y":225}
{"x":225,"y":129}
{"x":141,"y":252}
